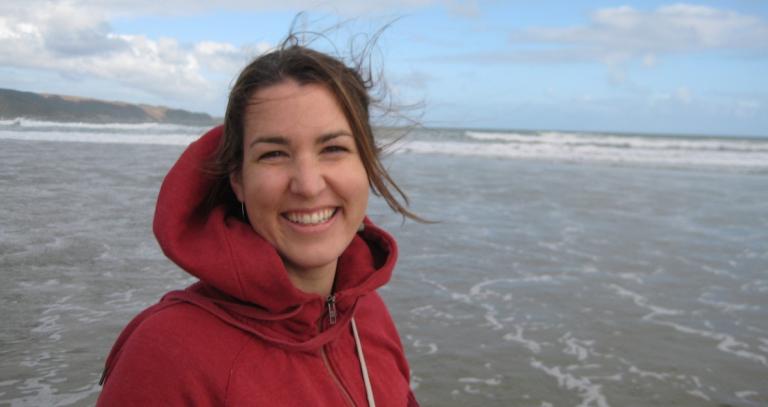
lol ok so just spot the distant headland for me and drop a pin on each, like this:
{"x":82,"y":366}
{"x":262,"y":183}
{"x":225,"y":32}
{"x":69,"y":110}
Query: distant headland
{"x":59,"y":108}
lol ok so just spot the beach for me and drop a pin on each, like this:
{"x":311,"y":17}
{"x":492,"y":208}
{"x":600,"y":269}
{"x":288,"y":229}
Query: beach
{"x":564,"y":269}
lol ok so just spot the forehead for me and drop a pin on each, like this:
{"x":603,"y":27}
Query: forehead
{"x":288,"y":108}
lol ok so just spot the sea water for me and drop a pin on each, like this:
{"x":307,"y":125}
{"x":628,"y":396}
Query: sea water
{"x":566,"y":269}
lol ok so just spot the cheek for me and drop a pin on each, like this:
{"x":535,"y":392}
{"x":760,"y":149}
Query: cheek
{"x":262,"y":190}
{"x":262,"y":198}
{"x":358,"y":188}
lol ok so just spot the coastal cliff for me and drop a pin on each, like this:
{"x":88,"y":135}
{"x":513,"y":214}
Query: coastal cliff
{"x":15,"y":104}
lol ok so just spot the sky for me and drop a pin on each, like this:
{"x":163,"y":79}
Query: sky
{"x":633,"y":66}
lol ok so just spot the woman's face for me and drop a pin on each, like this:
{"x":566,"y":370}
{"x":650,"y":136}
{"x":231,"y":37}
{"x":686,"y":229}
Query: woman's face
{"x":302,"y":180}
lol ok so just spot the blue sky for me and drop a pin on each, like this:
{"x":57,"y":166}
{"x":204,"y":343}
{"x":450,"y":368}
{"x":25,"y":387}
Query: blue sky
{"x":651,"y":66}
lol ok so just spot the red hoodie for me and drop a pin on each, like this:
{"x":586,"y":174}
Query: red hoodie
{"x":244,"y":335}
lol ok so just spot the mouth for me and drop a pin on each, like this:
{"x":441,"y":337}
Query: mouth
{"x":310,"y":218}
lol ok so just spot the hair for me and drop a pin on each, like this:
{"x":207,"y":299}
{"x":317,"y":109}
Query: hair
{"x":351,"y":86}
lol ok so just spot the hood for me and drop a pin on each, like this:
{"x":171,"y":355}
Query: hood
{"x":228,"y":255}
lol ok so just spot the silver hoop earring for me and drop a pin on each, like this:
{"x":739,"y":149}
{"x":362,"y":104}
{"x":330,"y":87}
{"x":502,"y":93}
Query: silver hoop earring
{"x":242,"y":210}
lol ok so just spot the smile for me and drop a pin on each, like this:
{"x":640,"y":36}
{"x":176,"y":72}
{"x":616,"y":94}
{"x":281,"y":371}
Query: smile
{"x":310,"y":218}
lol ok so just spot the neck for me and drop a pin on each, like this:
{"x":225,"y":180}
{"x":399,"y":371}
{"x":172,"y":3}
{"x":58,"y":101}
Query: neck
{"x":317,"y":280}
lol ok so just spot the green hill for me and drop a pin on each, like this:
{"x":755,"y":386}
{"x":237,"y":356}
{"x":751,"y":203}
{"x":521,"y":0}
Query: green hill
{"x":15,"y":104}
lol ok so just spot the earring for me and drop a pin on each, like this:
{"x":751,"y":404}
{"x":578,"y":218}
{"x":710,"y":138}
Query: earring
{"x":242,"y":210}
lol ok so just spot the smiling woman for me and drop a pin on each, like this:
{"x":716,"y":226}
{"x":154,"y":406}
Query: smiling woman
{"x":268,"y":211}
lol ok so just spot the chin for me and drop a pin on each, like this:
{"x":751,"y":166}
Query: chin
{"x":312,"y":261}
{"x":314,"y":253}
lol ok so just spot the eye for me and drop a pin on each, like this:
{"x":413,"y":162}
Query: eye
{"x":335,"y":149}
{"x":272,"y":155}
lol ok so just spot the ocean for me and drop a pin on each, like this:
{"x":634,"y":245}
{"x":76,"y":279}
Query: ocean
{"x":565,"y":269}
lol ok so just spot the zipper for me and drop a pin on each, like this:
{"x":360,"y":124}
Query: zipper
{"x":331,"y":303}
{"x":336,"y":379}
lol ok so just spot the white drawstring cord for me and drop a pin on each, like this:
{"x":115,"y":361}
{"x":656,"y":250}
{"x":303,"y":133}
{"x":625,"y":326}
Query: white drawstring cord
{"x":363,"y":367}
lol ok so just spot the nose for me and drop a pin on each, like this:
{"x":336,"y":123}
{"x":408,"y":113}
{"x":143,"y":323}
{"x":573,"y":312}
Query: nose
{"x":307,"y":179}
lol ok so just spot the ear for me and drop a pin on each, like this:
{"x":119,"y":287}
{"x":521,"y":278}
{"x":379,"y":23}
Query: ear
{"x":236,"y":183}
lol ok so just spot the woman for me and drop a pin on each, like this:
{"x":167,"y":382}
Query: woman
{"x":285,"y":312}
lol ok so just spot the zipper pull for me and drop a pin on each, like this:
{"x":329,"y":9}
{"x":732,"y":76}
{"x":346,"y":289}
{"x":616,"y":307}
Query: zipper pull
{"x":331,"y":302}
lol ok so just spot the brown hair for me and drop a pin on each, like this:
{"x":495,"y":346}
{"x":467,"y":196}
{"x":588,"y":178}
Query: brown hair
{"x":351,"y":87}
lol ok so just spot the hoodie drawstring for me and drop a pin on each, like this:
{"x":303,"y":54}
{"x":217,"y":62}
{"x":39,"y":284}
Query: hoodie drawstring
{"x":363,"y":367}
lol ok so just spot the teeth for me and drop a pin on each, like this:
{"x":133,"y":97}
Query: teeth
{"x":310,"y":218}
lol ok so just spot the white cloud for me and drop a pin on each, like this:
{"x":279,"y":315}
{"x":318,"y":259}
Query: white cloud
{"x":74,"y":39}
{"x":620,"y":36}
{"x":77,"y":42}
{"x":684,"y":95}
{"x":464,"y":8}
{"x":649,"y":60}
{"x":746,"y":108}
{"x":414,"y":79}
{"x":680,"y":96}
{"x":616,"y":35}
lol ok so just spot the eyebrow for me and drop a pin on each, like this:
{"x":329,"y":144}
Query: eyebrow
{"x":284,"y":141}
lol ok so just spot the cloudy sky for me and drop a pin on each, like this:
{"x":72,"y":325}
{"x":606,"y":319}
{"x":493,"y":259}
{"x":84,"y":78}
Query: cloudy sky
{"x":631,"y":66}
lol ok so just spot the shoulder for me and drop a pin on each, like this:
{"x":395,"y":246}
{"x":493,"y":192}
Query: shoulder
{"x":175,"y":355}
{"x":185,"y":324}
{"x":188,"y":332}
{"x":372,"y":309}
{"x":376,"y":323}
{"x":383,"y":347}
